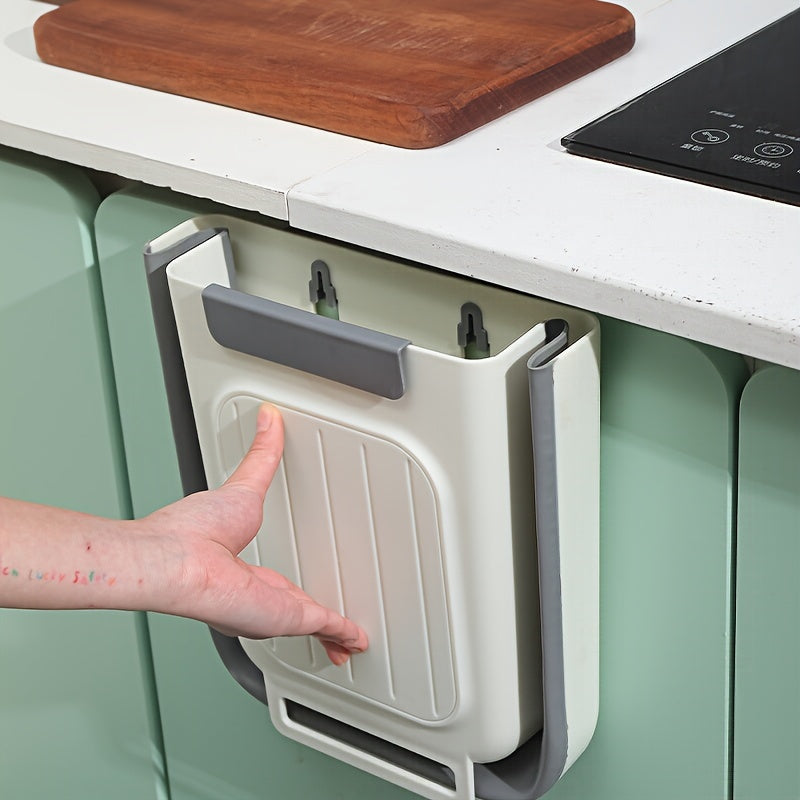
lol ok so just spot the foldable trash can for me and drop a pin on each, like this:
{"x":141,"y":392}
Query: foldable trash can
{"x":409,"y":497}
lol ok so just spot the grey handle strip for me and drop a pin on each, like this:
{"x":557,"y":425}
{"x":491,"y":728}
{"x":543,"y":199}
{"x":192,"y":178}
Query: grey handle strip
{"x":339,"y":351}
{"x":553,"y":757}
{"x":184,"y":430}
{"x":534,"y":768}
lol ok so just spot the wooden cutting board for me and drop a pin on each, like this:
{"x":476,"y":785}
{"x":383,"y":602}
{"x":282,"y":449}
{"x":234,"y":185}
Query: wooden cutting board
{"x":413,"y":73}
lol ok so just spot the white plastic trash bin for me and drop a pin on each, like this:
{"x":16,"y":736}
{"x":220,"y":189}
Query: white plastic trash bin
{"x":409,"y":496}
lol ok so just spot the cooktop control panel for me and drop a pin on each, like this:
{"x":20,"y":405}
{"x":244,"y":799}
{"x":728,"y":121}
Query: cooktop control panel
{"x":732,"y":121}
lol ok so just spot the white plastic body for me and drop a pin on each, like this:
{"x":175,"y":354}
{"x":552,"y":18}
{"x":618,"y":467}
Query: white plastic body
{"x":414,"y":516}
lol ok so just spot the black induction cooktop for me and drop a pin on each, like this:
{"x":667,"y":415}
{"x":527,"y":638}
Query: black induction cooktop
{"x":732,"y":121}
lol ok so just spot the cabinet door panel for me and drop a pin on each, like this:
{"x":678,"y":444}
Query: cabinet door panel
{"x":767,"y":709}
{"x":667,"y":466}
{"x":219,"y":741}
{"x":76,"y":715}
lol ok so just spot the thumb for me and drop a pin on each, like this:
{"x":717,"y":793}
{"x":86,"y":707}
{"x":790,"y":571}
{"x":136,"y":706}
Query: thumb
{"x":257,"y":468}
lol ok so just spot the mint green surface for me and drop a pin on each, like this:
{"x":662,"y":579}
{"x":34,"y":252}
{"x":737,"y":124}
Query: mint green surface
{"x":76,"y":718}
{"x":767,"y":708}
{"x":668,"y":421}
{"x":220,"y":743}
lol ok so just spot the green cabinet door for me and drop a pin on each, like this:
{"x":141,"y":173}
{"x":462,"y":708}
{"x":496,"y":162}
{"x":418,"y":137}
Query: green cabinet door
{"x":76,"y":710}
{"x":668,"y":421}
{"x":767,"y":708}
{"x":219,"y":741}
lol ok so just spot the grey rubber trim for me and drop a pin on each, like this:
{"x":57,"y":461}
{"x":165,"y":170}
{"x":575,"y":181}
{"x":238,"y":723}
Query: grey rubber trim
{"x":534,"y":768}
{"x":184,"y":429}
{"x":339,"y":351}
{"x":244,"y":671}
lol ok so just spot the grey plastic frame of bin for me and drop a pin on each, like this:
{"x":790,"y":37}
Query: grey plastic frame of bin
{"x":537,"y":764}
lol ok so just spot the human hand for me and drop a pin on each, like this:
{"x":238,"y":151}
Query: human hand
{"x":207,"y":530}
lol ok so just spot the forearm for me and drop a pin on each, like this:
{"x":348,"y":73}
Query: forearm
{"x":52,"y":558}
{"x":181,"y":559}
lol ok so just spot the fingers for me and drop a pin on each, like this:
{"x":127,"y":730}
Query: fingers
{"x":257,"y":468}
{"x":300,"y":614}
{"x":274,"y":606}
{"x":336,"y":653}
{"x":340,"y":637}
{"x":342,"y":632}
{"x":337,"y":633}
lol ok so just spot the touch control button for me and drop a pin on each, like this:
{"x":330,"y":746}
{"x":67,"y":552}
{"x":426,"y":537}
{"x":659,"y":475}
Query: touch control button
{"x":710,"y":136}
{"x":774,"y":150}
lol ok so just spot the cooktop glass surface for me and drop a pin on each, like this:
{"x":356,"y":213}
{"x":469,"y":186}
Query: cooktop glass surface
{"x":732,"y":121}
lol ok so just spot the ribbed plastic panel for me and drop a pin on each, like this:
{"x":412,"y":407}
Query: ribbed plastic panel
{"x":353,"y":520}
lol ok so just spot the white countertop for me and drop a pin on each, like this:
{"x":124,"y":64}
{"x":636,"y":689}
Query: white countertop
{"x":242,"y":159}
{"x":505,"y":203}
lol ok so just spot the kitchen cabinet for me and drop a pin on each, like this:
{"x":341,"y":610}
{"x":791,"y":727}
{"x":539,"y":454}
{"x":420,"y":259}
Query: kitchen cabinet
{"x":767,"y":708}
{"x":77,"y":712}
{"x":667,"y":493}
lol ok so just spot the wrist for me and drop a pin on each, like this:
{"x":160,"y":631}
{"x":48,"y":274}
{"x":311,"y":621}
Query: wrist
{"x":159,"y":581}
